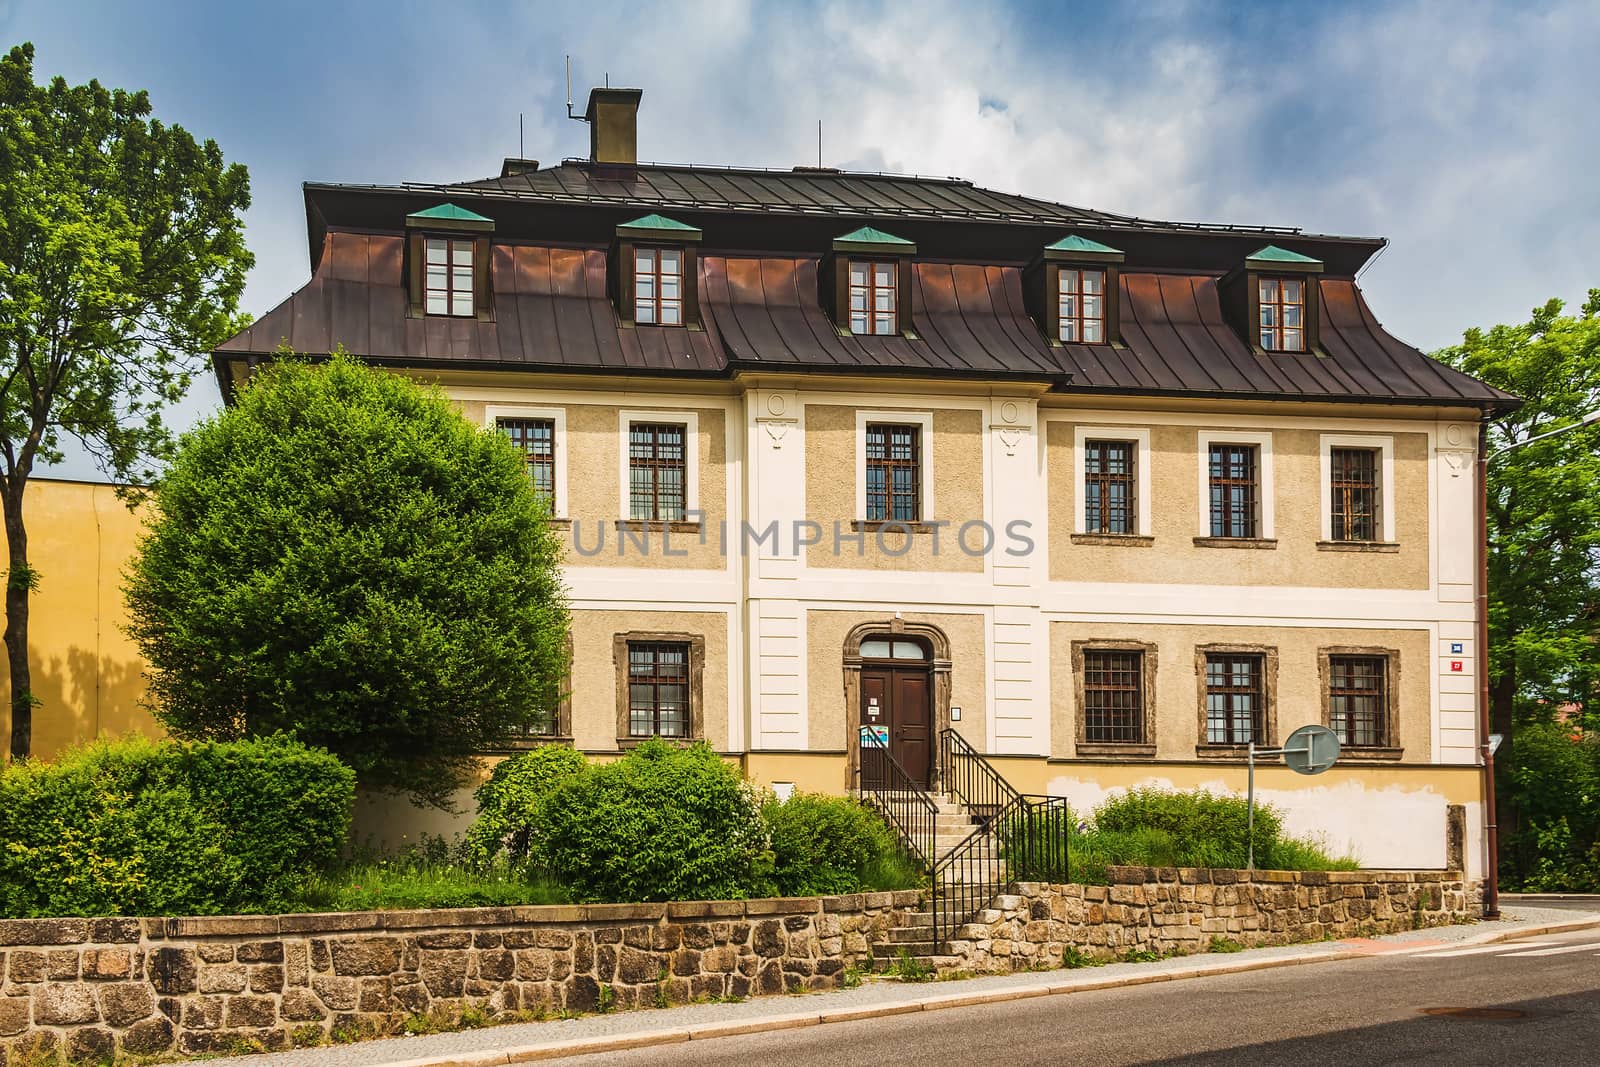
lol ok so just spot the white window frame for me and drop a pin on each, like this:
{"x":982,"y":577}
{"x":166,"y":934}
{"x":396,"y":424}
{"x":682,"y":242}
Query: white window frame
{"x":923,"y":420}
{"x":492,"y":413}
{"x":690,"y":421}
{"x":1266,"y":524}
{"x":1081,"y":435}
{"x":1383,"y":444}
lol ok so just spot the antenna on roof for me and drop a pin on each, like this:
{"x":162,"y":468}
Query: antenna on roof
{"x":521,"y":148}
{"x":819,"y":144}
{"x":570,"y":115}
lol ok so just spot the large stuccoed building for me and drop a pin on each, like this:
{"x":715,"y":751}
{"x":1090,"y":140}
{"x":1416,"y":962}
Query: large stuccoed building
{"x":846,"y":456}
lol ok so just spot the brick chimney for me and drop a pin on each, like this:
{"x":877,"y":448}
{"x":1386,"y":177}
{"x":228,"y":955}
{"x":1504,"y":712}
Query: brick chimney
{"x":613,"y":117}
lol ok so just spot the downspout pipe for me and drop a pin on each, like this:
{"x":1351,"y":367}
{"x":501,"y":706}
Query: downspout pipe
{"x":1491,"y":829}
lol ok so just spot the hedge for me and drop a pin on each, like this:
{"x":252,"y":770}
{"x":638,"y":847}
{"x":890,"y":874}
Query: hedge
{"x":143,"y":827}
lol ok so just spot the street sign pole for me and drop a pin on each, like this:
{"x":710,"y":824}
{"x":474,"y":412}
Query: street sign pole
{"x":1309,"y":750}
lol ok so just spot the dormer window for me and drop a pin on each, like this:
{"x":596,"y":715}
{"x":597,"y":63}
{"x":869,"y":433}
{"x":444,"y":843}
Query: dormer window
{"x":658,"y":286}
{"x":1072,"y":291}
{"x":449,"y":282}
{"x":873,"y":288}
{"x":1282,"y":305}
{"x":1082,"y":304}
{"x":448,"y":262}
{"x":867,"y":283}
{"x":654,"y":275}
{"x":1272,"y":300}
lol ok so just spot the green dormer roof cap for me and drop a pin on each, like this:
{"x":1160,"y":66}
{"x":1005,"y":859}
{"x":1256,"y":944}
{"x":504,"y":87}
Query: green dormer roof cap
{"x":867,"y":239}
{"x":1081,"y":249}
{"x":1273,"y":257}
{"x":449,"y":217}
{"x":659,"y":226}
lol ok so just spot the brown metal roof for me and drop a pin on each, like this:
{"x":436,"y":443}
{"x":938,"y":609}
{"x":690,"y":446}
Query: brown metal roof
{"x":552,"y":313}
{"x":803,"y":191}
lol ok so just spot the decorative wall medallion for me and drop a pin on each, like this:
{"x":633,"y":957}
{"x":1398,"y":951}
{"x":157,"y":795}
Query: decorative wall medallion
{"x":1008,"y":411}
{"x":776,"y":404}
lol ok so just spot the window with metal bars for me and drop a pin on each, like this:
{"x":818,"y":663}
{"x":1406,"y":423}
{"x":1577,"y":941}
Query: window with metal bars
{"x":1358,"y":699}
{"x":658,"y":286}
{"x":656,"y":469}
{"x":1235,"y":700}
{"x":1283,"y":305}
{"x":1354,"y":476}
{"x":1234,"y":490}
{"x":894,"y":472}
{"x":537,"y":440}
{"x":874,"y":292}
{"x":448,"y":281}
{"x":1082,"y":305}
{"x":1113,"y":696}
{"x":658,"y":690}
{"x":1108,"y":487}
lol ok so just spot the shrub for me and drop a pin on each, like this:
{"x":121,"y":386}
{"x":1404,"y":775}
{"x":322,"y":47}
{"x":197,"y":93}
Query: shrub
{"x":823,"y":844}
{"x":1206,"y":830}
{"x":1552,"y":781}
{"x":661,"y":823}
{"x":341,"y":556}
{"x":142,"y":827}
{"x":509,"y":819}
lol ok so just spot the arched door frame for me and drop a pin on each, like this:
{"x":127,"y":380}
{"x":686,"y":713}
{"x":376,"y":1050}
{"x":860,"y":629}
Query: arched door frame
{"x":939,"y":667}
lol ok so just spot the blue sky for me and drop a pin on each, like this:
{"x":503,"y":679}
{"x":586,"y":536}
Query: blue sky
{"x":1466,"y":133}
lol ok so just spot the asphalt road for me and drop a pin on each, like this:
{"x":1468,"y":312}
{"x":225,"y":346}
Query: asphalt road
{"x":1365,"y":1011}
{"x":1558,"y":901}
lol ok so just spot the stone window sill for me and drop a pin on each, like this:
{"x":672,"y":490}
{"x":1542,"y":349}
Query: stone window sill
{"x":1098,"y":750}
{"x":1358,"y":546}
{"x":1228,"y":752}
{"x":627,"y":744}
{"x":560,"y":523}
{"x":658,"y":525}
{"x":1370,"y":755}
{"x":1120,"y":540}
{"x":1236,"y":542}
{"x":527,"y":744}
{"x":893,"y":525}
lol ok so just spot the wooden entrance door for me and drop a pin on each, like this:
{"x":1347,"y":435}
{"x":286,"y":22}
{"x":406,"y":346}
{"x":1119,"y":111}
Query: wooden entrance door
{"x":898,"y":702}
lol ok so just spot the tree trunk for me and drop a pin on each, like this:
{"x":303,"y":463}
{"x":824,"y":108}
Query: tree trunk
{"x":19,"y":582}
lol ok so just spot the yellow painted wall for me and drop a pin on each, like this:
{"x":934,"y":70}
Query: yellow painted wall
{"x":1177,"y":696}
{"x":825,"y":634}
{"x":87,"y":673}
{"x":1175,"y":505}
{"x":957,"y":456}
{"x":594,"y":671}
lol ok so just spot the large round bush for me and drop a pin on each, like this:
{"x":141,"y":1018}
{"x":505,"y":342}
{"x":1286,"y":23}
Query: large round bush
{"x":662,"y":823}
{"x":141,"y":827}
{"x":510,"y":819}
{"x":341,"y":556}
{"x":823,"y":844}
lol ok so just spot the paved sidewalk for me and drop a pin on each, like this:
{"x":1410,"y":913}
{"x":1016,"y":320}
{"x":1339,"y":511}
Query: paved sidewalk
{"x":524,"y":1042}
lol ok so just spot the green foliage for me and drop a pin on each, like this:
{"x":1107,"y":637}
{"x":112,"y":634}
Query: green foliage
{"x":1142,"y":955}
{"x":392,"y":885}
{"x":1160,"y":828}
{"x":910,"y":969}
{"x":1073,"y":958}
{"x":122,"y":260}
{"x":1554,"y":775}
{"x":1204,"y":827}
{"x":509,"y":819}
{"x":341,"y":556}
{"x":142,"y":827}
{"x":823,"y":845}
{"x":1223,"y":944}
{"x":662,"y":823}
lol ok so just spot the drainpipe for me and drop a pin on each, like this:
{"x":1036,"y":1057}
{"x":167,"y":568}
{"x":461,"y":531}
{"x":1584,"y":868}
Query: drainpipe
{"x":1491,"y":880}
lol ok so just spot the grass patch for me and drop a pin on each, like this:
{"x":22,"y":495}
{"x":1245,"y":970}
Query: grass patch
{"x":414,"y":881}
{"x":1074,"y":958}
{"x":894,"y":869}
{"x":1223,"y":944}
{"x":908,"y":969}
{"x":1141,"y":955}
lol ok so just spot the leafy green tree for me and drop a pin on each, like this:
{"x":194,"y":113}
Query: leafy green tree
{"x":1544,"y":511}
{"x":122,"y":259}
{"x":341,"y":556}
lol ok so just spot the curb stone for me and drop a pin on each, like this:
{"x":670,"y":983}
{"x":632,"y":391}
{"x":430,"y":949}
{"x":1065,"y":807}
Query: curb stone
{"x":571,"y":1047}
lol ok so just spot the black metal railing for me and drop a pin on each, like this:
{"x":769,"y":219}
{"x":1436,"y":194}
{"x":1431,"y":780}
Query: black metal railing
{"x":966,"y":775}
{"x":1025,"y":841}
{"x":886,"y":785}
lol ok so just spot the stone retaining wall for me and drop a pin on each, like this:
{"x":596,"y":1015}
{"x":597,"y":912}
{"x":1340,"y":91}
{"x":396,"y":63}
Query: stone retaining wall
{"x":1178,"y":911}
{"x":93,"y":987}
